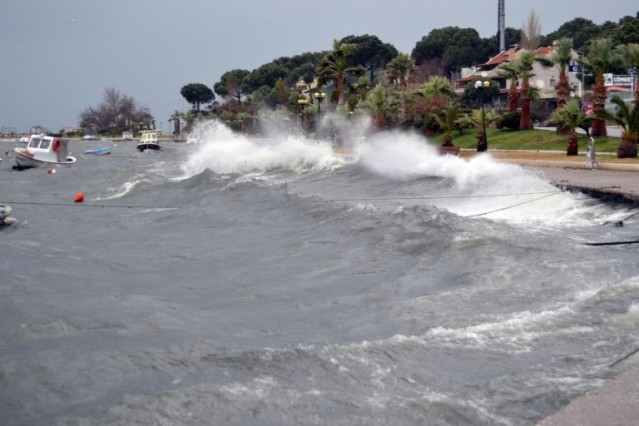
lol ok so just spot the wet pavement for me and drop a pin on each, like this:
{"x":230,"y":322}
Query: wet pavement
{"x":613,"y":183}
{"x":614,"y":404}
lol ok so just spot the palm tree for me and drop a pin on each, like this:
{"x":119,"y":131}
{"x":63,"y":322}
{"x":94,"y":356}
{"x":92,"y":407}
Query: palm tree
{"x":437,"y":88}
{"x":447,"y":120}
{"x":358,"y":93}
{"x":436,"y":94}
{"x":395,"y":101}
{"x":334,"y":67}
{"x":176,"y":118}
{"x":377,"y":103}
{"x":601,"y":58}
{"x":561,"y":57}
{"x":467,"y":121}
{"x":524,"y":66}
{"x":509,"y":72}
{"x":399,"y":69}
{"x":189,"y":119}
{"x":630,"y":53}
{"x":570,"y":116}
{"x":628,"y":119}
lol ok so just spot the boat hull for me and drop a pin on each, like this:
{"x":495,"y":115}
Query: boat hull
{"x":144,"y":146}
{"x":22,"y":159}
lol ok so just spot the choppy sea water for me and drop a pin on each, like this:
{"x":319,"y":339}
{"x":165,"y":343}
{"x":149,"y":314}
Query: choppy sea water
{"x":273,"y":282}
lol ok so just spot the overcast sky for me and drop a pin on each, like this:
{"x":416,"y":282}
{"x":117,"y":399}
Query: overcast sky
{"x":58,"y":56}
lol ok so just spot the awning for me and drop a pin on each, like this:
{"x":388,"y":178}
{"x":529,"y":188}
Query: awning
{"x":618,"y":89}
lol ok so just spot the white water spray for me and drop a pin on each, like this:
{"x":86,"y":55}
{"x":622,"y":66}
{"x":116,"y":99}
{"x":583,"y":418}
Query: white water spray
{"x":480,"y":186}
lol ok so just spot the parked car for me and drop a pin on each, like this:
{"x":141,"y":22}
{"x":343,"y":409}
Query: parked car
{"x":89,"y":137}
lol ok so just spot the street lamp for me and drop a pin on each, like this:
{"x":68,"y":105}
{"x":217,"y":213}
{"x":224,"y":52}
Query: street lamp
{"x":481,"y":87}
{"x":302,"y":104}
{"x":320,"y":97}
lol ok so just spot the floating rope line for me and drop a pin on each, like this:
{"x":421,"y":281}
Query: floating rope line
{"x":35,"y":203}
{"x":613,"y":243}
{"x":514,"y":205}
{"x":432,"y":197}
{"x":624,"y":358}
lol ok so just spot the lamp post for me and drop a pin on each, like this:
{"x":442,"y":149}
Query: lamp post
{"x":320,"y":97}
{"x":302,"y":104}
{"x":481,"y":87}
{"x":582,"y":57}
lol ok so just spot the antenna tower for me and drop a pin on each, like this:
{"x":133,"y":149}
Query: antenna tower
{"x":501,"y":23}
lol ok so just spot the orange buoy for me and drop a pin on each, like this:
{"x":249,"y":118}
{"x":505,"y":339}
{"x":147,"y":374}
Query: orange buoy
{"x":79,"y":197}
{"x":50,"y":170}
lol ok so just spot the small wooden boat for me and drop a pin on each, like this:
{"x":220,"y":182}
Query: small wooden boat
{"x":5,"y":219}
{"x":42,"y":151}
{"x":98,"y":151}
{"x":148,"y":140}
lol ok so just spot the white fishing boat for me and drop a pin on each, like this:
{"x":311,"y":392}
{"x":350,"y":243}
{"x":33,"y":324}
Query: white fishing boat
{"x":127,"y":136}
{"x":148,"y":140}
{"x":193,"y":138}
{"x":42,"y":151}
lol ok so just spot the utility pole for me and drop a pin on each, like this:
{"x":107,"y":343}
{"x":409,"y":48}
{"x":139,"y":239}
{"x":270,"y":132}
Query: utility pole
{"x":501,"y":23}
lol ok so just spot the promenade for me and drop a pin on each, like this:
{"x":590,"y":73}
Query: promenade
{"x":612,"y":180}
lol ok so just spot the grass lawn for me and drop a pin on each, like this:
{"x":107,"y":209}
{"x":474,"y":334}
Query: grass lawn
{"x":533,"y":140}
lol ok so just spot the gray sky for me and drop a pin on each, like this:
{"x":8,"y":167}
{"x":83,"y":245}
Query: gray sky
{"x":58,"y":56}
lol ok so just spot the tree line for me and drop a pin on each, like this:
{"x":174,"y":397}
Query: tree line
{"x":367,"y":75}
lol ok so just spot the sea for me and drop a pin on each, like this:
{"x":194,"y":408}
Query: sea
{"x":282,"y":281}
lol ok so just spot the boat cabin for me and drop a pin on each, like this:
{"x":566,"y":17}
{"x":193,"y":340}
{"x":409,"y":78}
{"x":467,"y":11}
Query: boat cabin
{"x":193,"y":138}
{"x":149,"y":137}
{"x":47,"y":148}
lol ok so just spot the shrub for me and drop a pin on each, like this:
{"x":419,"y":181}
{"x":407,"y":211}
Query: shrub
{"x":510,"y":120}
{"x":627,"y":149}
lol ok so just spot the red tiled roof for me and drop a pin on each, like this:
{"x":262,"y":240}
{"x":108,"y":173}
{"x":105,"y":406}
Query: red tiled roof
{"x":505,"y":55}
{"x":544,"y":51}
{"x":496,"y":60}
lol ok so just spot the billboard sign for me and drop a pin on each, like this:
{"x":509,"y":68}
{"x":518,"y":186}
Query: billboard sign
{"x":573,"y":67}
{"x":618,"y":80}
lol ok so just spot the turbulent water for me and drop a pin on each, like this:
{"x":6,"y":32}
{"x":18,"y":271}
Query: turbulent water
{"x":273,"y":282}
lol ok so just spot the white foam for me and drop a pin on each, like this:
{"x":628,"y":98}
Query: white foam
{"x":225,"y":152}
{"x":122,"y":190}
{"x":479,"y":187}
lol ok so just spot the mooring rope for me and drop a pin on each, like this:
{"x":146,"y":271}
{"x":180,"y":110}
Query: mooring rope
{"x":624,"y":357}
{"x":515,"y":205}
{"x":434,"y":197}
{"x":621,"y":221}
{"x":36,"y":203}
{"x":614,"y":243}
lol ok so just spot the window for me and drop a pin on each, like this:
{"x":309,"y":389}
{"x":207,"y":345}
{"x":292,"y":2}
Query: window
{"x":553,"y":83}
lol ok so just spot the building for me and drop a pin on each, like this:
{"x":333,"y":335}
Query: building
{"x":545,"y":79}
